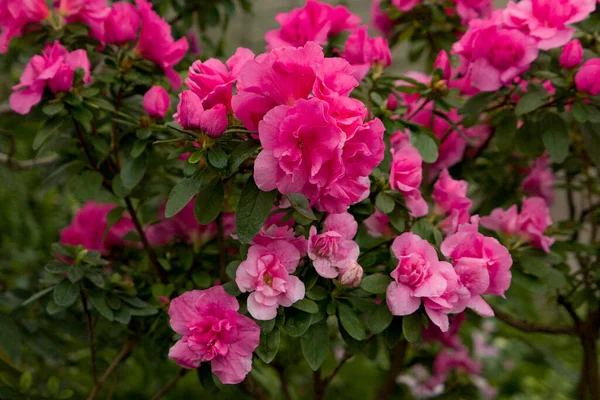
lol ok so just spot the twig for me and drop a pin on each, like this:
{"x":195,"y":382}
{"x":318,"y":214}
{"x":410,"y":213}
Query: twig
{"x":90,"y":325}
{"x":124,"y":351}
{"x":170,"y":384}
{"x":532,"y":327}
{"x":421,"y":107}
{"x":333,"y":373}
{"x":84,"y":145}
{"x":221,"y":246}
{"x":11,"y":149}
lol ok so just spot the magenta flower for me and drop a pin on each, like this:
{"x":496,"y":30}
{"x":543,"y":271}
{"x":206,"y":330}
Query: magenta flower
{"x":121,"y":24}
{"x":213,"y":331}
{"x":380,"y":20}
{"x":534,"y":219}
{"x":55,"y":68}
{"x":586,"y":79}
{"x":405,"y":5}
{"x":572,"y":54}
{"x":156,"y":43}
{"x":15,"y":14}
{"x":156,"y":102}
{"x":315,"y":22}
{"x":192,"y":115}
{"x":89,"y":228}
{"x":443,"y":63}
{"x":469,"y":10}
{"x":90,"y":12}
{"x":450,"y":198}
{"x":334,"y":251}
{"x":363,"y":52}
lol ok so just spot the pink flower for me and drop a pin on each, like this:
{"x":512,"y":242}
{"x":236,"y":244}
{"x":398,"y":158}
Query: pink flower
{"x":482,"y":264}
{"x":420,"y":275}
{"x":363,"y":52}
{"x":405,"y":5}
{"x":380,"y":20}
{"x":547,"y":20}
{"x":54,"y":68}
{"x":443,"y":63}
{"x":506,"y":222}
{"x":334,"y":251}
{"x":534,"y":219}
{"x":449,"y":338}
{"x":191,"y":115}
{"x":378,"y":225}
{"x":266,"y":274}
{"x":90,"y":12}
{"x":406,"y":174}
{"x":472,"y":9}
{"x":540,"y":181}
{"x":572,"y":54}
{"x":450,"y":194}
{"x":492,"y":55}
{"x":15,"y":14}
{"x":157,"y":44}
{"x":272,"y":233}
{"x":121,"y":24}
{"x":392,"y":102}
{"x":448,"y":360}
{"x":586,"y":79}
{"x":89,"y":228}
{"x":213,"y":331}
{"x":315,"y":22}
{"x":157,"y":102}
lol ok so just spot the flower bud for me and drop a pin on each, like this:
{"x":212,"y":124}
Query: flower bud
{"x":586,"y":78}
{"x":122,"y":23}
{"x":443,"y":62}
{"x":156,"y":102}
{"x":189,"y":111}
{"x":572,"y":54}
{"x":352,"y":275}
{"x":392,"y":102}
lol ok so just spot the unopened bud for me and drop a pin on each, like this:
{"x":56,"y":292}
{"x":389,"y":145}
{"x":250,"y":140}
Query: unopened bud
{"x":352,"y":275}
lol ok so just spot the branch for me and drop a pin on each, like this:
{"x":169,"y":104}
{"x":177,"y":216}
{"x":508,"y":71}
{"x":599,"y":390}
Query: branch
{"x":170,"y":384}
{"x":397,"y":365}
{"x":333,"y":373}
{"x":532,"y":327}
{"x":124,"y":351}
{"x":88,"y":316}
{"x":221,"y":246}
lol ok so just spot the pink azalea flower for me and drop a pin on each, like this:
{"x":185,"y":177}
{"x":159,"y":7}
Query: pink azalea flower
{"x":534,"y":219}
{"x":406,"y":174}
{"x":420,"y":275}
{"x":315,"y":22}
{"x":472,"y":9}
{"x":213,"y":331}
{"x":448,"y":360}
{"x":121,"y":24}
{"x":55,"y":68}
{"x":334,"y":251}
{"x":266,"y":274}
{"x":156,"y":102}
{"x":481,"y":262}
{"x":449,"y":338}
{"x":586,"y":79}
{"x":503,"y":221}
{"x":15,"y":14}
{"x":363,"y":52}
{"x":547,"y":20}
{"x":380,"y":20}
{"x":493,"y":55}
{"x":272,"y":233}
{"x":443,"y":63}
{"x":540,"y":181}
{"x":378,"y":225}
{"x":89,"y":228}
{"x":572,"y":54}
{"x":157,"y":44}
{"x":405,"y":5}
{"x":90,"y":12}
{"x":450,"y":194}
{"x":192,"y":115}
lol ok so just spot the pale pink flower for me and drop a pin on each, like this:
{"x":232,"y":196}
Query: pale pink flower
{"x":266,"y":275}
{"x":506,"y":222}
{"x":406,"y":174}
{"x":547,"y":20}
{"x":334,"y":251}
{"x":156,"y":102}
{"x":586,"y":79}
{"x":364,"y":52}
{"x":156,"y":43}
{"x":89,"y":228}
{"x":315,"y":22}
{"x":55,"y":68}
{"x":378,"y":225}
{"x":540,"y":180}
{"x":213,"y":331}
{"x":450,"y":194}
{"x":121,"y":24}
{"x":572,"y":54}
{"x":90,"y":12}
{"x":420,"y":382}
{"x":15,"y":14}
{"x":420,"y":275}
{"x":534,"y":219}
{"x":281,"y":232}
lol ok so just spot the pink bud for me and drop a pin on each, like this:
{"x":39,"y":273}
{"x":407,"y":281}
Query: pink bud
{"x":586,"y":78}
{"x":572,"y":54}
{"x":157,"y":102}
{"x":189,"y":111}
{"x":351,"y":276}
{"x":443,"y":62}
{"x":122,"y":23}
{"x":163,"y":299}
{"x":392,"y":102}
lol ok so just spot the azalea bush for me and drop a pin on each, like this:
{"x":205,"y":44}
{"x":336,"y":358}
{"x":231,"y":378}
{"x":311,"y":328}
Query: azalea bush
{"x":301,"y":222}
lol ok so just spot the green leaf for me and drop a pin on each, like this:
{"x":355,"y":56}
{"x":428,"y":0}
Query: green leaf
{"x":195,"y":157}
{"x":53,"y":108}
{"x":269,"y":345}
{"x":306,"y":305}
{"x":591,"y":138}
{"x":411,"y":327}
{"x":65,"y":293}
{"x":317,"y":293}
{"x":181,"y":194}
{"x":267,"y":326}
{"x":97,"y":299}
{"x":232,"y":288}
{"x":143,"y":133}
{"x":37,"y":296}
{"x":240,"y":154}
{"x":398,"y":218}
{"x":375,"y":284}
{"x":53,"y":385}
{"x":209,"y":201}
{"x":25,"y":381}
{"x":83,"y":116}
{"x":217,"y":157}
{"x":425,"y":144}
{"x":74,"y":273}
{"x":506,"y":130}
{"x":296,"y":322}
{"x":135,"y":302}
{"x":315,"y":344}
{"x":138,"y":148}
{"x":384,"y":203}
{"x":10,"y":339}
{"x":57,"y":267}
{"x":123,"y":315}
{"x":351,"y":323}
{"x":532,"y":100}
{"x":476,"y":105}
{"x":301,"y":204}
{"x":380,"y":319}
{"x":53,"y":308}
{"x":253,"y":209}
{"x":529,"y":139}
{"x":555,"y":136}
{"x":231,"y":269}
{"x":96,"y":278}
{"x":86,"y":185}
{"x":133,"y":171}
